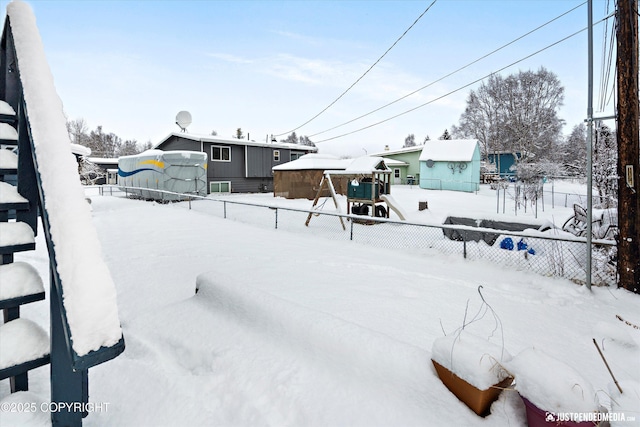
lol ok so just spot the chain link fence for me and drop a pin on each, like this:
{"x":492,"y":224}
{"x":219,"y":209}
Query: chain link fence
{"x":544,"y":254}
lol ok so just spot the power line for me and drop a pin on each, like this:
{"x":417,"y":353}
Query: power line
{"x":606,"y":63}
{"x":450,"y":74}
{"x":458,"y":89}
{"x":365,"y":73}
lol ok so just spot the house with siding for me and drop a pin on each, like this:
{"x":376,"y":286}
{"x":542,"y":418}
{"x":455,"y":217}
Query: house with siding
{"x":237,"y":165}
{"x":452,"y":164}
{"x":404,"y":162}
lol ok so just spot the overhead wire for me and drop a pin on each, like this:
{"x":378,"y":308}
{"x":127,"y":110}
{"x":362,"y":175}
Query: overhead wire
{"x":365,"y":73}
{"x":606,"y":64}
{"x":450,"y":74}
{"x":459,"y":88}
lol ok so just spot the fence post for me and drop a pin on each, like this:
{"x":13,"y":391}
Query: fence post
{"x":464,"y":244}
{"x":225,"y":209}
{"x":276,"y":209}
{"x":351,"y":233}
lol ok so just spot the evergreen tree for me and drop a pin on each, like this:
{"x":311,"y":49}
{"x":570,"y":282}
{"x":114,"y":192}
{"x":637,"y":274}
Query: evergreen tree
{"x":445,"y":135}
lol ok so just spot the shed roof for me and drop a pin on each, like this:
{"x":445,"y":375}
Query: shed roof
{"x":363,"y":165}
{"x":457,"y":150}
{"x":314,"y":161}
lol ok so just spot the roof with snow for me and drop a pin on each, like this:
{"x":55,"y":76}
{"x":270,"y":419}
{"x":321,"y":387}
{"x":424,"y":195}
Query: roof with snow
{"x":364,"y":165}
{"x":80,"y":150}
{"x":235,"y":141}
{"x":394,"y":162}
{"x":103,"y":160}
{"x":456,"y":150}
{"x":399,"y":151}
{"x":314,"y":161}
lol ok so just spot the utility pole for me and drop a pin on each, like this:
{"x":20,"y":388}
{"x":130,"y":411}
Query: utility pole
{"x":628,"y":146}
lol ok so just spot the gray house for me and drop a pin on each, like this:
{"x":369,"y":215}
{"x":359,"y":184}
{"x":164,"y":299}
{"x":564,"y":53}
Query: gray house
{"x":237,"y":165}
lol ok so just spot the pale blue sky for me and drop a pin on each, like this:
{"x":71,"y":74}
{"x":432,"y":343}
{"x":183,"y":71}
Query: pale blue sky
{"x":269,"y":66}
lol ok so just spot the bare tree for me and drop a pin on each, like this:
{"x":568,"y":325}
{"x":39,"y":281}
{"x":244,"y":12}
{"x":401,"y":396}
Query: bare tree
{"x":78,"y":131}
{"x":517,"y":113}
{"x":409,"y":141}
{"x":572,"y":153}
{"x":605,"y":161}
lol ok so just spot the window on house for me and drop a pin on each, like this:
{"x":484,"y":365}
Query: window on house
{"x":220,"y":187}
{"x":276,"y":155}
{"x":396,"y":173}
{"x":220,"y":154}
{"x":296,"y":156}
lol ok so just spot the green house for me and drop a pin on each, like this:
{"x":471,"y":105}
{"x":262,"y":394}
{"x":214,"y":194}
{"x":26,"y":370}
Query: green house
{"x":404,"y":163}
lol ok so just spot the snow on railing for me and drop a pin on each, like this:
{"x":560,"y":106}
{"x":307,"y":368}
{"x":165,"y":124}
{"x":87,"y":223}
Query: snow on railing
{"x":88,"y":290}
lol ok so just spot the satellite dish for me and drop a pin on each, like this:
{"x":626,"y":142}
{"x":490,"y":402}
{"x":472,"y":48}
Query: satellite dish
{"x":183,"y":119}
{"x":430,"y":163}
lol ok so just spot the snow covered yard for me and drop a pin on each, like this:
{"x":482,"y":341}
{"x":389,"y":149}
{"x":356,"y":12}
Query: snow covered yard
{"x":292,"y":329}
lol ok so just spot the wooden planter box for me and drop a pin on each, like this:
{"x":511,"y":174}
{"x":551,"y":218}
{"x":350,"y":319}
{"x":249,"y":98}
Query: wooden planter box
{"x":536,"y":417}
{"x":478,"y":400}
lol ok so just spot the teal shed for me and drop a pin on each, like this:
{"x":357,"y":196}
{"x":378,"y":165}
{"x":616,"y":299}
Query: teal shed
{"x":450,"y":164}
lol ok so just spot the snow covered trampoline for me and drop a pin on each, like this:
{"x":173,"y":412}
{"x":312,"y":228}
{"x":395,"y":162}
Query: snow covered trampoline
{"x":165,"y":171}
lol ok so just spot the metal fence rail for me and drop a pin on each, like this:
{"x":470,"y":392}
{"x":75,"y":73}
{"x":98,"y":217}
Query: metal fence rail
{"x":543,"y":254}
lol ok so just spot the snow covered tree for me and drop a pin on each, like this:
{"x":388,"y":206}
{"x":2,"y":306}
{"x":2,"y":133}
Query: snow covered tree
{"x":426,"y":138}
{"x":146,"y":146}
{"x":572,"y":152}
{"x":605,"y":161}
{"x":445,"y":135}
{"x":517,"y":113}
{"x":90,"y":173}
{"x":102,"y":144}
{"x":127,"y":148}
{"x":78,"y":132}
{"x":304,"y":140}
{"x":291,"y":139}
{"x":409,"y":141}
{"x":239,"y":134}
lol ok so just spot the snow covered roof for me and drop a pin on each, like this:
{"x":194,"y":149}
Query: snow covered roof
{"x":367,"y":164}
{"x":394,"y":162}
{"x":234,"y":141}
{"x":103,"y":160}
{"x":314,"y":161}
{"x":398,"y":151}
{"x":363,"y":165}
{"x":80,"y":150}
{"x":456,"y":150}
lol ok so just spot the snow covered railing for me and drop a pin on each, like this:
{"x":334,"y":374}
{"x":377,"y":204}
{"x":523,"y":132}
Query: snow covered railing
{"x":85,"y":327}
